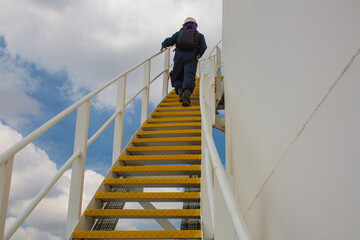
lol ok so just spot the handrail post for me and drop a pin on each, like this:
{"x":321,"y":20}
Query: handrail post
{"x":5,"y":180}
{"x":78,"y":167}
{"x":212,"y":90}
{"x":218,"y":74}
{"x":198,"y":69}
{"x":145,"y":94}
{"x":166,"y":73}
{"x":119,"y":120}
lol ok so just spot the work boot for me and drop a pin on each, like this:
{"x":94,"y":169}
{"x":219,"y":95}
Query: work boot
{"x":186,"y":97}
{"x":180,"y":93}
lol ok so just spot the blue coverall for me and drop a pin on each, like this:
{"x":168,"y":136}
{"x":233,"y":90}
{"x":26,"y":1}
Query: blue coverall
{"x":185,"y":63}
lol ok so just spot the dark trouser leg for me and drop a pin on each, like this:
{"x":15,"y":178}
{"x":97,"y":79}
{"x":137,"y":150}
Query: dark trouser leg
{"x":177,"y":75}
{"x":189,"y":75}
{"x":189,"y":82}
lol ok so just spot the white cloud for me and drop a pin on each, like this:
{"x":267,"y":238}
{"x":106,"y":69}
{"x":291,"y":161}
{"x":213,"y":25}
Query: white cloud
{"x":32,"y":170}
{"x":96,"y":40}
{"x":30,"y":233}
{"x":15,"y":103}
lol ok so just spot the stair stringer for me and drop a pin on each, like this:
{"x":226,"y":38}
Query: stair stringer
{"x":85,"y":222}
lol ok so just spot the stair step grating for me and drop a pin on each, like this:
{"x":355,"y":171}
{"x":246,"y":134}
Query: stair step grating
{"x":140,"y":234}
{"x":149,"y":196}
{"x":144,"y":213}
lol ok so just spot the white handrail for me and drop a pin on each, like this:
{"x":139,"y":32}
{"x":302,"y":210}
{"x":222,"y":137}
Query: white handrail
{"x":7,"y":157}
{"x":20,"y":219}
{"x":103,"y":127}
{"x":38,"y":132}
{"x":109,"y":121}
{"x":215,"y":175}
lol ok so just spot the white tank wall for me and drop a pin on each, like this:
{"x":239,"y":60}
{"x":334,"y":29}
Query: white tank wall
{"x":280,"y":60}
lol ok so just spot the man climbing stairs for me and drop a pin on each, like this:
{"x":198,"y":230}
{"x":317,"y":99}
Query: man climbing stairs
{"x":165,"y":152}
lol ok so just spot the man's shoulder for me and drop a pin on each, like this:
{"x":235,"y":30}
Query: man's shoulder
{"x":200,"y":34}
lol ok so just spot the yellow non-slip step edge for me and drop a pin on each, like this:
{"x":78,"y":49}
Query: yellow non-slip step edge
{"x":188,"y":124}
{"x":148,"y":181}
{"x":176,"y":113}
{"x":158,"y":234}
{"x":177,"y":103}
{"x":195,"y":168}
{"x":149,"y":196}
{"x":165,"y":148}
{"x":168,"y":132}
{"x":144,"y":213}
{"x":166,"y":139}
{"x":175,"y":95}
{"x":160,"y":157}
{"x":175,"y":98}
{"x":180,"y":119}
{"x":178,"y":108}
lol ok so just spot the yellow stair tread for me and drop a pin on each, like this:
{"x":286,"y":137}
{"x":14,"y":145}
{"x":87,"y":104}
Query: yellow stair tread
{"x":178,"y":108}
{"x":152,"y":180}
{"x":160,"y":157}
{"x":176,"y":103}
{"x":176,"y":113}
{"x":148,"y":195}
{"x":143,"y":212}
{"x":166,"y":139}
{"x":157,"y":168}
{"x":168,"y":132}
{"x":180,"y":119}
{"x":165,"y":148}
{"x":139,"y":234}
{"x":175,"y":98}
{"x":175,"y":95}
{"x":191,"y":124}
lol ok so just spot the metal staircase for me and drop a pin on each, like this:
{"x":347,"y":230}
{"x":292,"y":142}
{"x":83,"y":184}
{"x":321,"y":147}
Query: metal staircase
{"x":165,"y":152}
{"x":173,"y":148}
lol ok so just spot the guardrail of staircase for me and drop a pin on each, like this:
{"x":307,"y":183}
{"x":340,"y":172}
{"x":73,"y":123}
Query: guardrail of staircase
{"x":81,"y":143}
{"x":220,"y":214}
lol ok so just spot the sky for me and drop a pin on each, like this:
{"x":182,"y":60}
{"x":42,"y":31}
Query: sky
{"x":54,"y":52}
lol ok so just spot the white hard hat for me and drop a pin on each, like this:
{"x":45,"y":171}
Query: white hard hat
{"x":190,"y":19}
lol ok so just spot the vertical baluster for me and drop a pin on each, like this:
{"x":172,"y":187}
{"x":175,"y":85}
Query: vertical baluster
{"x":5,"y":180}
{"x":78,"y":167}
{"x":166,"y":73}
{"x":212,"y":90}
{"x":198,"y":69}
{"x":119,"y":120}
{"x":145,"y":94}
{"x":218,"y":75}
